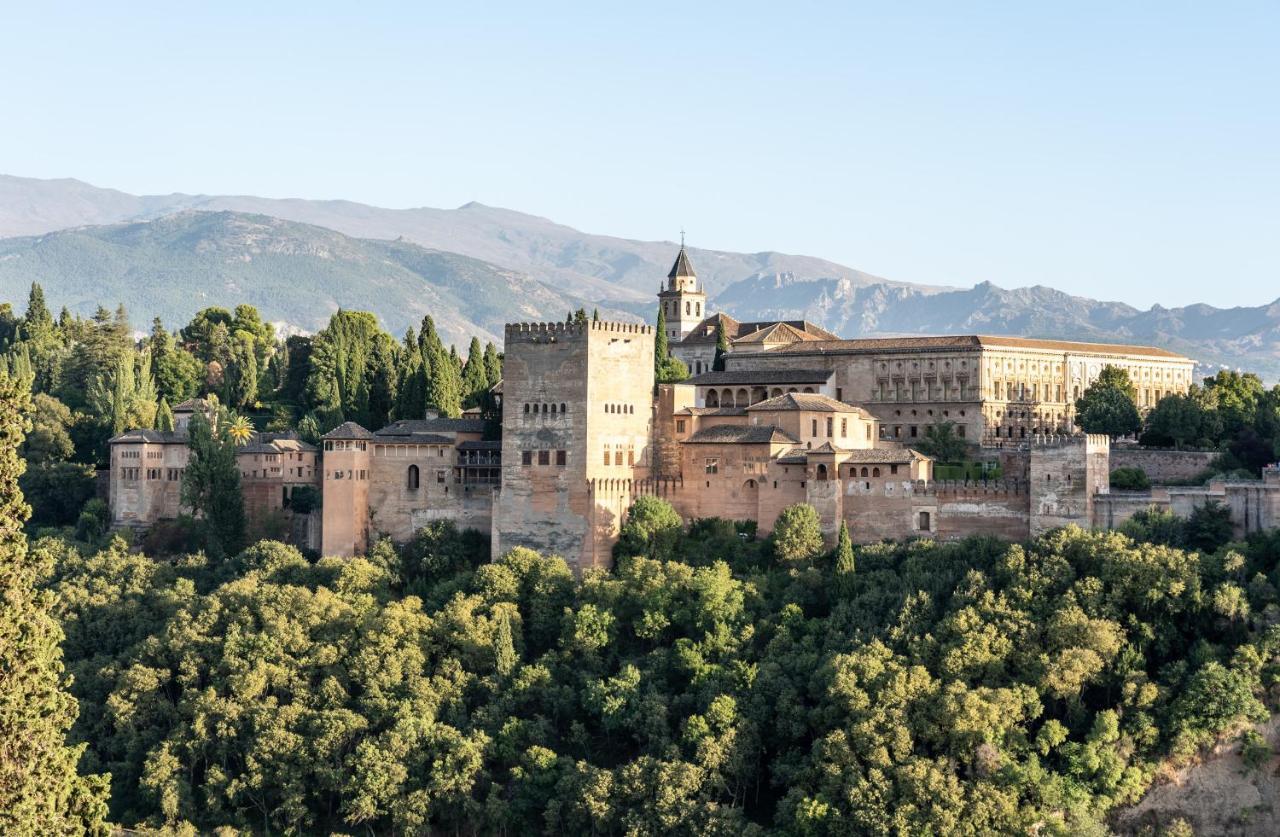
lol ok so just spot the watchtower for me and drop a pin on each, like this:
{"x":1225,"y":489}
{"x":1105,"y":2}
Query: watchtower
{"x":577,"y":415}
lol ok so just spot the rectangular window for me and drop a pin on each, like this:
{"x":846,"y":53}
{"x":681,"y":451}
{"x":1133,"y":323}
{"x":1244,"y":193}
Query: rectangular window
{"x":844,"y":428}
{"x":441,"y":476}
{"x":924,"y":522}
{"x":544,"y":457}
{"x":839,"y":393}
{"x":679,"y":425}
{"x":830,"y":425}
{"x":526,"y":457}
{"x":631,"y":456}
{"x":960,"y":430}
{"x":914,"y":431}
{"x":606,"y":456}
{"x":560,"y":458}
{"x":815,"y":428}
{"x":893,"y":469}
{"x":712,"y":466}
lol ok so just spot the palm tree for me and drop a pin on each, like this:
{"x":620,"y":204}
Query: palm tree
{"x":239,"y":430}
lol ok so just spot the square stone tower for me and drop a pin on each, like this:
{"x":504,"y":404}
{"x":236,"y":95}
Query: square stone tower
{"x":1064,"y":474}
{"x":577,"y":416}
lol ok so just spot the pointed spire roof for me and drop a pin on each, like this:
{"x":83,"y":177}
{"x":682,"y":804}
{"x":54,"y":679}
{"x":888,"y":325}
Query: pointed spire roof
{"x":682,"y":267}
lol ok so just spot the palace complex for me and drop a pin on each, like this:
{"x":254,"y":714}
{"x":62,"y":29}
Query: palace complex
{"x":795,"y":415}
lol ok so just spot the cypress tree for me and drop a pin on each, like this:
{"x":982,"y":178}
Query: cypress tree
{"x":666,"y":369}
{"x":595,"y":315}
{"x":164,"y":416}
{"x":474,"y":378}
{"x":492,"y":365}
{"x":660,"y":346}
{"x":844,"y":553}
{"x":40,"y":789}
{"x":444,"y":383}
{"x":722,"y":346}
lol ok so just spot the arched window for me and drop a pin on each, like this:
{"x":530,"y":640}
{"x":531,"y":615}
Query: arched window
{"x":726,"y":398}
{"x":822,"y":472}
{"x":864,"y":472}
{"x":562,"y":409}
{"x":743,"y":398}
{"x":713,"y":400}
{"x":687,"y":309}
{"x":411,"y":478}
{"x":875,"y":472}
{"x":526,"y":407}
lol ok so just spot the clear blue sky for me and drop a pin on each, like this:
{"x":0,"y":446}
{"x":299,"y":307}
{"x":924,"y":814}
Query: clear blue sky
{"x":1123,"y":151}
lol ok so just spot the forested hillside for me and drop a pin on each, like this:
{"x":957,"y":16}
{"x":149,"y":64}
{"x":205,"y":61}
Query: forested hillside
{"x":708,"y":684}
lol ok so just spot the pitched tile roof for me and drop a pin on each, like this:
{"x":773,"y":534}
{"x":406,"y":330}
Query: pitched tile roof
{"x":348,"y":430}
{"x":682,"y":266}
{"x":155,"y":437}
{"x":806,"y":401}
{"x":742,"y":434}
{"x":705,"y":331}
{"x":883,"y":456}
{"x":760,"y":376}
{"x":410,"y":427}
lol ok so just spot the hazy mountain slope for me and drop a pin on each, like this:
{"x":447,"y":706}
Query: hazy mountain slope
{"x":595,"y":266}
{"x":1238,"y":337}
{"x":178,"y":264}
{"x":567,"y":264}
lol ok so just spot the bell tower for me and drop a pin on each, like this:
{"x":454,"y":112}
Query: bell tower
{"x":682,"y":302}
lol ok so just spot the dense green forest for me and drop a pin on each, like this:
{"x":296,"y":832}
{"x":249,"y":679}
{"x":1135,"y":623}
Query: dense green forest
{"x":712,"y":682}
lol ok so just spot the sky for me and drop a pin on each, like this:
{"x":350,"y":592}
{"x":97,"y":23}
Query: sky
{"x":1126,"y":151}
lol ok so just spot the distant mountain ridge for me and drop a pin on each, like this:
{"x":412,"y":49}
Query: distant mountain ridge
{"x":297,"y":273}
{"x":398,"y":262}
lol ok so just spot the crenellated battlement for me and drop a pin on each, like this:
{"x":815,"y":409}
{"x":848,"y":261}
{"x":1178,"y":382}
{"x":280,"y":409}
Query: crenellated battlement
{"x":554,"y":332}
{"x":974,"y":488}
{"x":619,"y":327}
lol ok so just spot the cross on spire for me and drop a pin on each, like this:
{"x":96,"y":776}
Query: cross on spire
{"x":682,"y":238}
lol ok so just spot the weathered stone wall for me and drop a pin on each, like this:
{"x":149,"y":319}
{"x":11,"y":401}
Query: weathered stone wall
{"x":599,"y":376}
{"x":1164,"y":466}
{"x":1064,"y":474}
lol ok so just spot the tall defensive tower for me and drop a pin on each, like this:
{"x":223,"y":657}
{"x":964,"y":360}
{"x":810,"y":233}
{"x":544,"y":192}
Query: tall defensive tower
{"x":577,"y":414}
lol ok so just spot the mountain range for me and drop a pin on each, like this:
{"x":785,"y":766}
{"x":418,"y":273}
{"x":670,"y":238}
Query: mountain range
{"x":476,"y":266}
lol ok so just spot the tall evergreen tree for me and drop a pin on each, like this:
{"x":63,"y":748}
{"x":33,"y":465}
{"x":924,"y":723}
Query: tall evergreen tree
{"x":41,"y":791}
{"x":383,"y":380}
{"x":844,"y":561}
{"x":474,"y":378}
{"x":164,"y":416}
{"x":722,"y":346}
{"x":666,"y":369}
{"x":444,"y":383}
{"x":211,"y":487}
{"x":411,"y":380}
{"x":40,"y":335}
{"x":240,"y":381}
{"x":492,"y":365}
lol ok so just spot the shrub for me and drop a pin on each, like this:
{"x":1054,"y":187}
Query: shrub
{"x":797,"y":534}
{"x":1130,"y":479}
